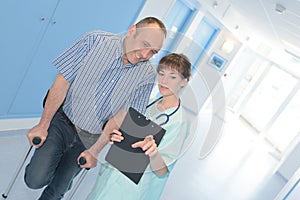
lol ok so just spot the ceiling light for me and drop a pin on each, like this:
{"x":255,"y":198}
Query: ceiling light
{"x":227,"y":46}
{"x":215,"y":4}
{"x":280,"y":9}
{"x":291,"y":49}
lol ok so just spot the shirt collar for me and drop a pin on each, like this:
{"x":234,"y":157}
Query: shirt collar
{"x":119,"y":49}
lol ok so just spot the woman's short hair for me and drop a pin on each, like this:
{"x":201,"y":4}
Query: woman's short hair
{"x":177,"y":62}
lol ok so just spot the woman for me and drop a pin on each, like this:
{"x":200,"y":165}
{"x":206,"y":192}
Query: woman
{"x":174,"y":71}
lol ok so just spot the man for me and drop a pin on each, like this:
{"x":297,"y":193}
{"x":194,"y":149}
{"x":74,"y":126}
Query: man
{"x":100,"y":76}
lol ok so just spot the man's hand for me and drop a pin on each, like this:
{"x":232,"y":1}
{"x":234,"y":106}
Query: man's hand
{"x":37,"y":131}
{"x":148,"y":145}
{"x":91,"y":159}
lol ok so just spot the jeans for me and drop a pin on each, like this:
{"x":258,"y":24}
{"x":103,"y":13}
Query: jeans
{"x":54,"y":164}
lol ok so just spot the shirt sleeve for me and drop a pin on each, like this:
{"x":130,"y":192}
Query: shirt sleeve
{"x":71,"y":59}
{"x":174,"y":139}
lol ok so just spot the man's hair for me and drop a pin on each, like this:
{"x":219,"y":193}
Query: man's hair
{"x":152,"y":20}
{"x":177,"y":62}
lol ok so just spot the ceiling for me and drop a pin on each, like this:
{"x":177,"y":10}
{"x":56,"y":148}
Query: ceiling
{"x":255,"y":20}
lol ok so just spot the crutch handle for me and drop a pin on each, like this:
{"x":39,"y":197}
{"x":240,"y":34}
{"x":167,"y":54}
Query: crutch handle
{"x":36,"y":140}
{"x":82,"y":161}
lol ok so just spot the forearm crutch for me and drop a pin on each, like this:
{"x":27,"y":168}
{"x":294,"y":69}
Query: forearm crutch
{"x":35,"y":141}
{"x":82,"y":161}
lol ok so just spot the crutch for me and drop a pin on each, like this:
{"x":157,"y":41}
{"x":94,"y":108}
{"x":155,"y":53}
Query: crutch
{"x":82,"y":161}
{"x":35,"y":141}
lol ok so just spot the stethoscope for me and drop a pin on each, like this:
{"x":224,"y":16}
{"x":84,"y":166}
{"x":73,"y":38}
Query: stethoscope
{"x":167,"y":116}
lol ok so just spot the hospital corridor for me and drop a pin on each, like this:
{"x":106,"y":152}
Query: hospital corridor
{"x":238,"y":137}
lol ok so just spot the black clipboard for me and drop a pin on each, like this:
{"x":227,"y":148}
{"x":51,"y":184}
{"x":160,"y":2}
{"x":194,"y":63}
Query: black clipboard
{"x":132,"y":162}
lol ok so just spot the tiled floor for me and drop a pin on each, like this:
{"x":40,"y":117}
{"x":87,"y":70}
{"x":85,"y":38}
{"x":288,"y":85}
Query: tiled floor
{"x":239,"y":168}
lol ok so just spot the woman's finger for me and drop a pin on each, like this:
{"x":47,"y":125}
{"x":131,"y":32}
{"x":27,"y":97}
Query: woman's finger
{"x":138,"y":144}
{"x":115,"y":131}
{"x":148,"y":143}
{"x":116,"y":138}
{"x":152,"y":150}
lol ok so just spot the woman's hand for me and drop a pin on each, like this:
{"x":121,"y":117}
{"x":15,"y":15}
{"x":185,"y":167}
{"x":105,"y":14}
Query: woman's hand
{"x":115,"y":136}
{"x":148,"y":145}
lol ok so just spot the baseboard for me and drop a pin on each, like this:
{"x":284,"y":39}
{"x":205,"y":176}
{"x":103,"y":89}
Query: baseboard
{"x":17,"y":124}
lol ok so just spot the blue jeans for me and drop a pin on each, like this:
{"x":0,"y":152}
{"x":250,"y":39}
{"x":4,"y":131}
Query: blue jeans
{"x":54,"y":164}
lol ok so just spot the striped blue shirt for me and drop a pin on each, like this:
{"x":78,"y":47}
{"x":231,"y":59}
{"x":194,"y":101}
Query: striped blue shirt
{"x":101,"y":84}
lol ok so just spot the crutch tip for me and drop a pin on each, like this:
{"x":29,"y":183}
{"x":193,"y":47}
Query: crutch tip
{"x":4,"y":196}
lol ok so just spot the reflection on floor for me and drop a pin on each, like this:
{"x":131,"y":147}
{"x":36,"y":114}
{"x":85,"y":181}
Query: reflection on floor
{"x":239,"y":168}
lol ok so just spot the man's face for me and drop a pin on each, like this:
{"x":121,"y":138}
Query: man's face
{"x":141,"y":44}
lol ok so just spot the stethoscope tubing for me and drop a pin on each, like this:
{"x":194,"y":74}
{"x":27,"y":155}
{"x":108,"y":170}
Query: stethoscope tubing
{"x":163,"y":114}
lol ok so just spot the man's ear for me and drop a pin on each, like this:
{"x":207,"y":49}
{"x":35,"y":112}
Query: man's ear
{"x":131,"y":30}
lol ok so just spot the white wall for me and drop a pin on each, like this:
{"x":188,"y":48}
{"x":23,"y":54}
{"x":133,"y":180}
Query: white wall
{"x":291,"y":160}
{"x":156,"y":8}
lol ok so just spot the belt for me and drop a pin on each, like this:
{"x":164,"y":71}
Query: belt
{"x":60,"y":110}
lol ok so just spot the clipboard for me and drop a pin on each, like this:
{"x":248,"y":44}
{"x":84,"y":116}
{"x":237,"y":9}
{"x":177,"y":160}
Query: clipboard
{"x":132,"y":162}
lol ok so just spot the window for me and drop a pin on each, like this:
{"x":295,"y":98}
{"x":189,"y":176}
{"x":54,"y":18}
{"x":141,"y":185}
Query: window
{"x":267,"y":98}
{"x":286,"y":127}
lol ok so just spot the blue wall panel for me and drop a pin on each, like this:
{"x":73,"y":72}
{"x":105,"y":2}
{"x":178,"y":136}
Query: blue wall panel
{"x":21,"y":29}
{"x":35,"y":32}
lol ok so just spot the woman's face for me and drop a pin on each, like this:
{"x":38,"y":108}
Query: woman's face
{"x":170,"y":82}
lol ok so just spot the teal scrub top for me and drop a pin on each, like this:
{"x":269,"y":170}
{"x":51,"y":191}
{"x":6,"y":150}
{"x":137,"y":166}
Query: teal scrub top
{"x":112,"y":184}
